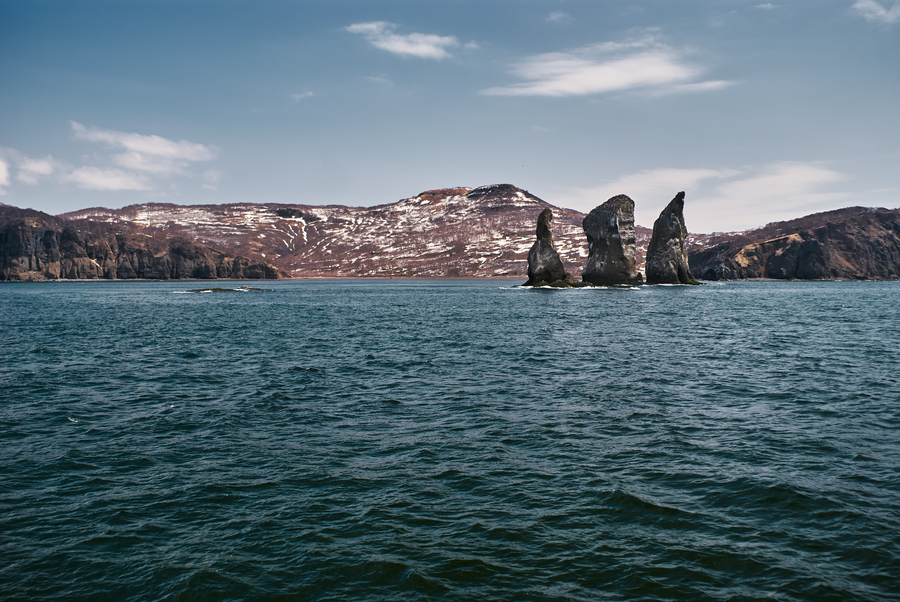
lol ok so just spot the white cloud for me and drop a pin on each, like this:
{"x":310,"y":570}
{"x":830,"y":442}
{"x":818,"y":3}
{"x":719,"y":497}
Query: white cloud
{"x":94,"y":178}
{"x":558,"y":16}
{"x":427,"y":46}
{"x":775,"y":192}
{"x":149,"y":163}
{"x":607,"y":67}
{"x":4,"y":176}
{"x":148,"y":155}
{"x":874,"y":11}
{"x":381,"y":81}
{"x":651,"y":190}
{"x":135,"y":163}
{"x":30,"y":170}
{"x":766,"y":6}
{"x":156,"y":146}
{"x":300,"y":96}
{"x":722,"y":199}
{"x":707,"y":86}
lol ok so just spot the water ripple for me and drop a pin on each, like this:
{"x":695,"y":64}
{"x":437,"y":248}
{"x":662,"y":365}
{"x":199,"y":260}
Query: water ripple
{"x":450,"y":439}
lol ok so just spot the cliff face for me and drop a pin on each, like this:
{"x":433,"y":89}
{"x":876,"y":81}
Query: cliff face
{"x":854,"y":243}
{"x":37,"y":246}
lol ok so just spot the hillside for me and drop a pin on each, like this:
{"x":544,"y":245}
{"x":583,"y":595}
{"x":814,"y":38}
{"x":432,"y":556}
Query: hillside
{"x":852,"y":243}
{"x":455,"y":232}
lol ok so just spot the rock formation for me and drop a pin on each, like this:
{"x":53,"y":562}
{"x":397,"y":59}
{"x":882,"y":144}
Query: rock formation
{"x":856,"y":243}
{"x":610,"y":233}
{"x":544,"y":264}
{"x":667,"y":260}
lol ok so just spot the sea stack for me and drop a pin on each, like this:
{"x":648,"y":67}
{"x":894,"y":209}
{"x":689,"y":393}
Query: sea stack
{"x":544,"y":264}
{"x":610,"y":233}
{"x":667,"y":260}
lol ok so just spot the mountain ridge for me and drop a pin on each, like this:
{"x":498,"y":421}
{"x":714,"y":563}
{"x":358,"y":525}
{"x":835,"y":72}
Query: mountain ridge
{"x":456,"y":232}
{"x":485,"y":231}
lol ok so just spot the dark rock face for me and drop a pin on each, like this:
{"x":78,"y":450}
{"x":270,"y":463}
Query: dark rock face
{"x":36,"y":246}
{"x":610,"y":233}
{"x":854,"y":243}
{"x":544,"y":264}
{"x":667,"y":260}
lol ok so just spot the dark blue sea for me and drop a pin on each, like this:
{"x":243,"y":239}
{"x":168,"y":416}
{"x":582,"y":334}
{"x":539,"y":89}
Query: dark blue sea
{"x":449,"y":440}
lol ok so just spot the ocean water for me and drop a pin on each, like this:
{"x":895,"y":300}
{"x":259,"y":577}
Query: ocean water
{"x":452,"y":440}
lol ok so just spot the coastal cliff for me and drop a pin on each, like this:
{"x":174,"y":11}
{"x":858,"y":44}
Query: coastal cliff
{"x":37,"y":246}
{"x":855,"y":243}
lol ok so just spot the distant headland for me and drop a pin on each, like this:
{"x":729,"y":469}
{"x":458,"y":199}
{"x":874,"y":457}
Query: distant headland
{"x":453,"y":232}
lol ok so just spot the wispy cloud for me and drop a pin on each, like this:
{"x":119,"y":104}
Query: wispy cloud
{"x":380,"y":80}
{"x":645,"y":63}
{"x":766,"y":6}
{"x":139,"y":158}
{"x":873,"y":11}
{"x":4,"y":176}
{"x":136,"y":162}
{"x":558,"y":16}
{"x":707,"y":86}
{"x":95,"y":178}
{"x":300,"y":96}
{"x":152,"y":154}
{"x":774,"y":192}
{"x":31,"y":170}
{"x":722,"y":199}
{"x":380,"y":34}
{"x":651,"y":190}
{"x":27,"y":170}
{"x":211,"y":179}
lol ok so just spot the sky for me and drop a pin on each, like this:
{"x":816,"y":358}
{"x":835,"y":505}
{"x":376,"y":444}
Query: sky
{"x":758,"y":111}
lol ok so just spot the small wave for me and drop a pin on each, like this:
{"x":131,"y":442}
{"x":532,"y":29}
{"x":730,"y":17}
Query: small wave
{"x":217,"y":289}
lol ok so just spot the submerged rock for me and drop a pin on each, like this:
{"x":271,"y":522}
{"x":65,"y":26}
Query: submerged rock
{"x":667,"y":259}
{"x":544,"y":264}
{"x":610,"y":233}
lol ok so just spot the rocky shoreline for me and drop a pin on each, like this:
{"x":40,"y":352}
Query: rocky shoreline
{"x":485,"y":232}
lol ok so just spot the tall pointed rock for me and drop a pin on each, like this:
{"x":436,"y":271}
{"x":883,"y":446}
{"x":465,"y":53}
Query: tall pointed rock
{"x":544,"y":264}
{"x":667,"y":260}
{"x":610,"y":233}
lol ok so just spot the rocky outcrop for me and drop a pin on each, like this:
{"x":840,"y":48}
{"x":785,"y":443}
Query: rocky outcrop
{"x":854,"y":243}
{"x":37,"y":246}
{"x":544,"y":264}
{"x":611,"y":241}
{"x":667,"y":259}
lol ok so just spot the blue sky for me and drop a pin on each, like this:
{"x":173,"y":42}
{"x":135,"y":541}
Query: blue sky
{"x":759,"y":111}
